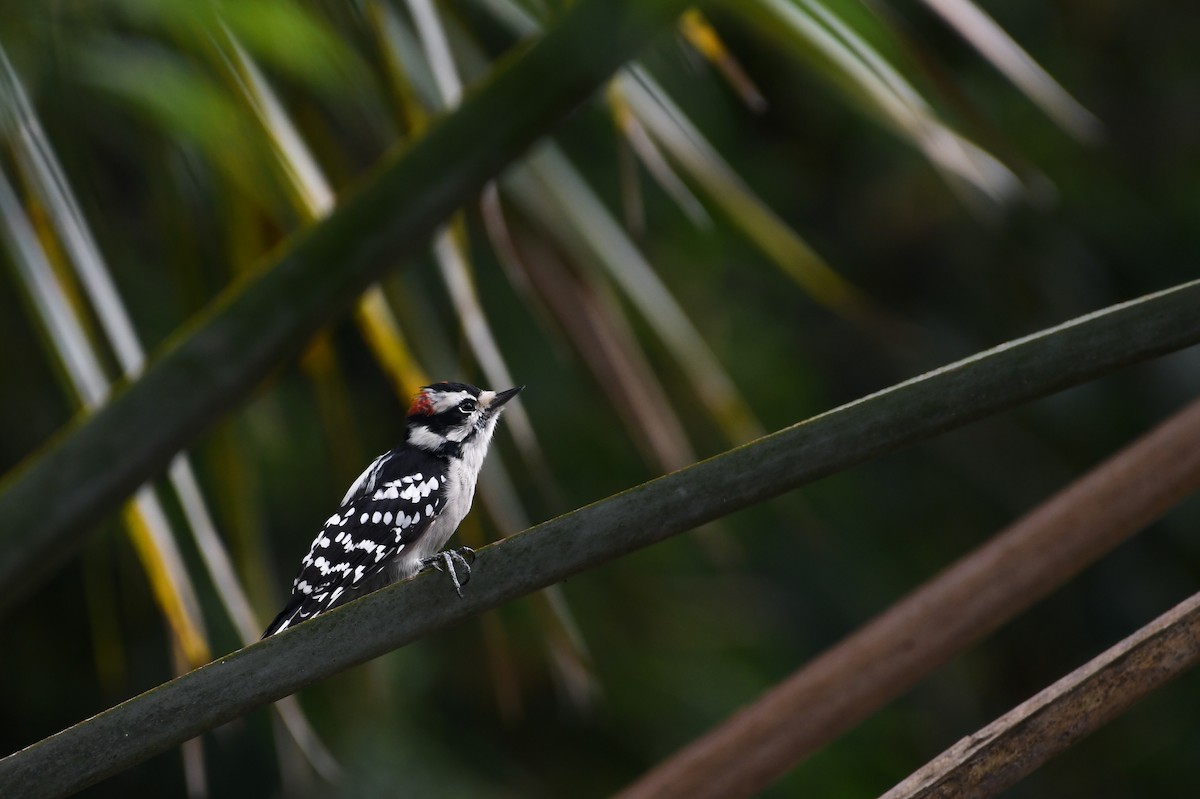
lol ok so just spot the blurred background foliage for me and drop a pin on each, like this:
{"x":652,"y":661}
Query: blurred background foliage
{"x":783,"y":206}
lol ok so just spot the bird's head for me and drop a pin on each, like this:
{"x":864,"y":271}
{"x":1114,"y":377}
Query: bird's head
{"x":445,"y":418}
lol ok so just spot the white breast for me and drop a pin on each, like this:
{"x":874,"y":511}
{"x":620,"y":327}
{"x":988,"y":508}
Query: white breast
{"x":460,"y":492}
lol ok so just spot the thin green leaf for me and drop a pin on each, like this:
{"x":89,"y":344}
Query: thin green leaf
{"x":267,"y":317}
{"x":437,"y":52}
{"x":410,"y":74}
{"x":559,"y":190}
{"x":590,"y":318}
{"x":304,"y":175}
{"x":868,"y":77}
{"x":453,"y":264}
{"x":37,"y":156}
{"x":912,"y":411}
{"x":986,"y":36}
{"x":147,"y":523}
{"x":654,"y":161}
{"x":287,"y":36}
{"x":701,"y":35}
{"x":726,"y":189}
{"x":148,"y":526}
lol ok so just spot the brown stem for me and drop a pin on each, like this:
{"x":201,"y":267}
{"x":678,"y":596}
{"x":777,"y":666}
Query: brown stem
{"x":1056,"y":719}
{"x":849,"y":682}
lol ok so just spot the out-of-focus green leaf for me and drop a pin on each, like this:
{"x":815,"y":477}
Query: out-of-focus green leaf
{"x":549,"y":183}
{"x":452,"y":263}
{"x":151,"y":536}
{"x":304,"y":176}
{"x":707,"y":42}
{"x":1018,"y":66}
{"x":906,"y":413}
{"x":409,"y":76}
{"x":289,"y":37}
{"x":285,"y":34}
{"x":185,"y":102}
{"x":436,"y":48}
{"x":317,"y":275}
{"x":591,"y":320}
{"x":725,"y":189}
{"x":450,"y":253}
{"x":656,"y":164}
{"x":147,"y":524}
{"x":844,"y":57}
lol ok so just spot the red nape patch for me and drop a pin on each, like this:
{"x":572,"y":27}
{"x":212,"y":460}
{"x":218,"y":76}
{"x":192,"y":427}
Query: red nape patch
{"x":422,"y":405}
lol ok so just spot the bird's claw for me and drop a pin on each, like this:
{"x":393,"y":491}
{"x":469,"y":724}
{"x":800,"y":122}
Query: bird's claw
{"x":463,"y":557}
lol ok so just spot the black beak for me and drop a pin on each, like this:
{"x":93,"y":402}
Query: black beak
{"x":503,"y":397}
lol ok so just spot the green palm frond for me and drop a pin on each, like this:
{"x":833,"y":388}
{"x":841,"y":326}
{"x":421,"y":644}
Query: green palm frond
{"x":248,"y":231}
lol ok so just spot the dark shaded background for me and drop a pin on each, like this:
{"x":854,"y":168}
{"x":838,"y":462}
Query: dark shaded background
{"x":686,"y":632}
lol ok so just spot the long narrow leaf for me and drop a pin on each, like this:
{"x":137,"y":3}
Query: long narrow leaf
{"x":697,"y":30}
{"x":591,"y":228}
{"x":437,"y":52}
{"x":147,"y":523}
{"x":949,"y":397}
{"x":36,"y":154}
{"x":591,"y":320}
{"x":314,"y":200}
{"x":656,"y":164}
{"x":66,"y":335}
{"x":960,"y":605}
{"x":315,"y":197}
{"x":450,"y":252}
{"x":37,"y":157}
{"x":886,"y":95}
{"x":989,"y":38}
{"x":725,"y":189}
{"x":315,"y":277}
{"x":455,"y":271}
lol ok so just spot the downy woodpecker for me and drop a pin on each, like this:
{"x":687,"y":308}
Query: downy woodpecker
{"x":400,"y":512}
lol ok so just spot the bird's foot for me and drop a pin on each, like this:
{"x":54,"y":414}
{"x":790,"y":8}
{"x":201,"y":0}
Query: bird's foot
{"x":463,"y":557}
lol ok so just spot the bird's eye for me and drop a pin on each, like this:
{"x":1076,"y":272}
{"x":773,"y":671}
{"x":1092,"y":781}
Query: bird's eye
{"x":467,"y":406}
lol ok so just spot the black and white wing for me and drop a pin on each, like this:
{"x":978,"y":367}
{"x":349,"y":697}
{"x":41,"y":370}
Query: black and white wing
{"x":385,"y":512}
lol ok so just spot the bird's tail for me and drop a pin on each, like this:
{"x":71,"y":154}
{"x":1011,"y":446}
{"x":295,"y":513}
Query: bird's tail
{"x":285,"y":617}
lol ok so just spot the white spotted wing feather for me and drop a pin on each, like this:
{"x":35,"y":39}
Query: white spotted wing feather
{"x":384,"y":522}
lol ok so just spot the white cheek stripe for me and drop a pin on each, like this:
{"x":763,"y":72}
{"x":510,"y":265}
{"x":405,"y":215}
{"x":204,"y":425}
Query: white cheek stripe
{"x":422,"y":436}
{"x":459,"y":433}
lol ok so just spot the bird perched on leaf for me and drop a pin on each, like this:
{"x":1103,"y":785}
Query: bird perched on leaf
{"x":399,"y":513}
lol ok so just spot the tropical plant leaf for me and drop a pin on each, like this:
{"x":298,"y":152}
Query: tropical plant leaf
{"x":912,"y":411}
{"x":974,"y":25}
{"x":697,"y":30}
{"x":866,"y":76}
{"x":268,"y":317}
{"x":147,"y":524}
